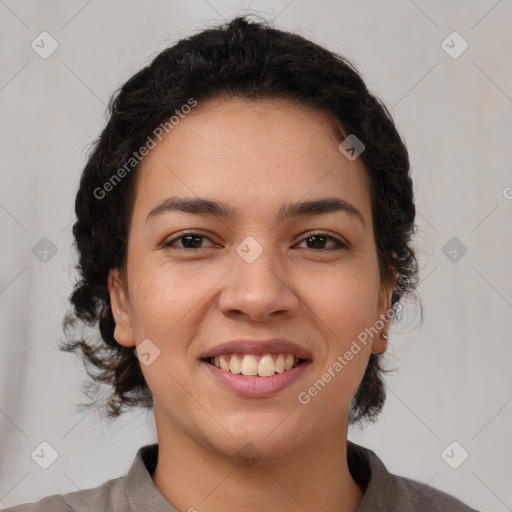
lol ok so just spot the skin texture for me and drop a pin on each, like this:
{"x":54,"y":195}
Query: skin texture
{"x":255,"y":156}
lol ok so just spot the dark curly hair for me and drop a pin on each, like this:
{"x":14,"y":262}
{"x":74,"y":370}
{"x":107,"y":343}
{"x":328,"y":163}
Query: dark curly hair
{"x":239,"y":59}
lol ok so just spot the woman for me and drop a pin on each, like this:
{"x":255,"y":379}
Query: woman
{"x":244,"y":228}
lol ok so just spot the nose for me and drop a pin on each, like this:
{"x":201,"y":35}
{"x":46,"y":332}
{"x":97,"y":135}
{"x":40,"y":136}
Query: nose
{"x":258,"y":290}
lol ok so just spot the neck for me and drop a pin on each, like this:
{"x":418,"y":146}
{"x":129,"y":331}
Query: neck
{"x":193,"y":477}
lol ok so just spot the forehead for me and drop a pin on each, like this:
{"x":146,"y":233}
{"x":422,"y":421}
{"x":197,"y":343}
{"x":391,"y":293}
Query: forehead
{"x":251,"y":154}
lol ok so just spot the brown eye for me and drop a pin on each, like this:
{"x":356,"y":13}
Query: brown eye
{"x":188,"y":241}
{"x":319,"y":241}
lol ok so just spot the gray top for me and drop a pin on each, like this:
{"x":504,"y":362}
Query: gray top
{"x":135,"y":492}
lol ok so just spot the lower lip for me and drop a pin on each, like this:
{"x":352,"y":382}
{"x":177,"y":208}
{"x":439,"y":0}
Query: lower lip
{"x":254,"y":387}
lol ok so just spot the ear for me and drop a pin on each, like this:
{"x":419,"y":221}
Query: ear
{"x":380,"y":342}
{"x":119,"y":301}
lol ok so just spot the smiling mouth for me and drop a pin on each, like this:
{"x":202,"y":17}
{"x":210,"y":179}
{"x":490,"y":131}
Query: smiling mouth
{"x":263,"y":365}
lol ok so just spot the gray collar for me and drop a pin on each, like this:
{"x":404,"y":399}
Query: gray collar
{"x":145,"y":497}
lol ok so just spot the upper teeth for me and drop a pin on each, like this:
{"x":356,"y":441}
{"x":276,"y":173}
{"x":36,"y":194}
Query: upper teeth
{"x":248,"y":364}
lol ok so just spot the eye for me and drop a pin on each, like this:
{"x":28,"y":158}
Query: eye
{"x":313,"y":241}
{"x":188,"y":241}
{"x":319,"y":240}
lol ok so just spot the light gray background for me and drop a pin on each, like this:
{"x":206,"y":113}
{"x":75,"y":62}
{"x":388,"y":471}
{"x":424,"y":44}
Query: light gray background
{"x":453,"y":381}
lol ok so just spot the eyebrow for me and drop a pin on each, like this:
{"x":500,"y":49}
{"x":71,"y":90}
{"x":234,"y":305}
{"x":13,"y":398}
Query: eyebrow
{"x":203,"y":206}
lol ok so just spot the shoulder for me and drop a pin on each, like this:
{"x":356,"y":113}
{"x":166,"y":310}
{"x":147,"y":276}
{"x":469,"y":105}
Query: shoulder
{"x":124,"y":494}
{"x":385,"y":491}
{"x":416,"y":496}
{"x":109,"y":496}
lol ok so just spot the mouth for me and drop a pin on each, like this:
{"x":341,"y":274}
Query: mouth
{"x":255,"y":375}
{"x":253,"y":358}
{"x":256,"y":365}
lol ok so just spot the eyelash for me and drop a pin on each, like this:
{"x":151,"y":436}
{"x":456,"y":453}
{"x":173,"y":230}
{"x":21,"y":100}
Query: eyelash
{"x":340,"y":245}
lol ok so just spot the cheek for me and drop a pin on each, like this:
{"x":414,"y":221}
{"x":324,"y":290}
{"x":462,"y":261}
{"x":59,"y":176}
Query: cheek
{"x":160,"y":299}
{"x":165,"y":305}
{"x":344,"y":304}
{"x":344,"y":300}
{"x":153,"y":306}
{"x":169,"y":301}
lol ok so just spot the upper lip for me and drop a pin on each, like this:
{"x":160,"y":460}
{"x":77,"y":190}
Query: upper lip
{"x":255,"y":347}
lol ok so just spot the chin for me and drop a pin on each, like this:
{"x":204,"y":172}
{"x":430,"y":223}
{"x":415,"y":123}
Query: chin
{"x":263,"y":442}
{"x":257,"y":451}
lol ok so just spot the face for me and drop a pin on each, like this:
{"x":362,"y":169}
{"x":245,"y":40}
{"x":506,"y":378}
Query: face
{"x":251,"y":271}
